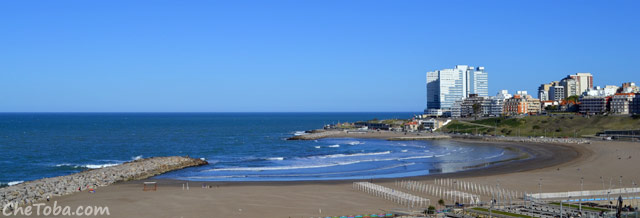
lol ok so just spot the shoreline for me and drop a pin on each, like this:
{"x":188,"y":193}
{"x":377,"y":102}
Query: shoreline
{"x":540,"y":156}
{"x":559,"y":167}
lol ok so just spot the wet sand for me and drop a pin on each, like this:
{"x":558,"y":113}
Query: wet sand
{"x":559,"y":166}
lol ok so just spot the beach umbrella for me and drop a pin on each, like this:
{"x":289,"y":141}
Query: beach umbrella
{"x":343,"y":217}
{"x":381,"y":215}
{"x":359,"y":216}
{"x":374,"y":215}
{"x":389,"y":215}
{"x":351,"y":217}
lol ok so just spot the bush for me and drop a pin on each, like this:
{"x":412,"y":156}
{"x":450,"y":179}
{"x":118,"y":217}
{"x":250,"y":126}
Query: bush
{"x":431,"y":209}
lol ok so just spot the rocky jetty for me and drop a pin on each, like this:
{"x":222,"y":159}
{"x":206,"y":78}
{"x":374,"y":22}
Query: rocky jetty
{"x":29,"y":192}
{"x":315,"y":134}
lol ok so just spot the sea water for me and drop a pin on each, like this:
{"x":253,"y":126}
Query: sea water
{"x":238,"y":146}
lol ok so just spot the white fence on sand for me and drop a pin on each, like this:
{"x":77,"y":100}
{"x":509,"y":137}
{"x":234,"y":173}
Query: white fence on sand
{"x":396,"y":196}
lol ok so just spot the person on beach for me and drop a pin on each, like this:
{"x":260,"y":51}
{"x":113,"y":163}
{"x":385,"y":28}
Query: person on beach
{"x":48,"y":198}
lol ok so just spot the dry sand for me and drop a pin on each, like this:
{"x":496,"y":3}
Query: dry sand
{"x":559,"y":166}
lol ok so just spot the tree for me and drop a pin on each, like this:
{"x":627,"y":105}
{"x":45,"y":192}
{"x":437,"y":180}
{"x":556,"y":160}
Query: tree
{"x":476,"y":109}
{"x":441,"y":202}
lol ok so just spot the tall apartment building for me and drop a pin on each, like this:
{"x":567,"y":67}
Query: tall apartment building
{"x":621,"y":102}
{"x":556,"y":93}
{"x":543,"y":90}
{"x":446,"y":86}
{"x":570,"y":87}
{"x":584,"y":81}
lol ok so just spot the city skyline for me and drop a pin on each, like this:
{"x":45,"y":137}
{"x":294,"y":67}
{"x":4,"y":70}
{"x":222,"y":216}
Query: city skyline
{"x":76,"y":56}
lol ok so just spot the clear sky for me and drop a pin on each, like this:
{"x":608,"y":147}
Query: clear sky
{"x":227,"y":56}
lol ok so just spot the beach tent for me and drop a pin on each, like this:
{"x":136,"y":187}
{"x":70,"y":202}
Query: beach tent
{"x":389,"y":215}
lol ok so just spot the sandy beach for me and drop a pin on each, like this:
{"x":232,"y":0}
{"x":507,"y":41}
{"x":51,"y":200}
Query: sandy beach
{"x":558,"y":166}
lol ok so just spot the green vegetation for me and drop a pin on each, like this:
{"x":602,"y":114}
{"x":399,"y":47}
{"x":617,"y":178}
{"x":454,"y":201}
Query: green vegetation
{"x":557,"y":125}
{"x":499,"y":212}
{"x":583,"y":207}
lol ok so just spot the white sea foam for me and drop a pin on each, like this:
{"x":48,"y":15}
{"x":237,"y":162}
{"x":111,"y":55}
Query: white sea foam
{"x":352,"y":155}
{"x":317,"y":146}
{"x":137,"y":157}
{"x":355,"y":143}
{"x":275,"y":158}
{"x":494,"y":156}
{"x":98,"y":166}
{"x":300,"y":133}
{"x":14,"y":183}
{"x":416,"y":157}
{"x":404,"y":151}
{"x":334,"y":146}
{"x":283,"y":167}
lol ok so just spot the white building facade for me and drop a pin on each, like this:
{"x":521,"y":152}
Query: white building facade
{"x":446,"y":86}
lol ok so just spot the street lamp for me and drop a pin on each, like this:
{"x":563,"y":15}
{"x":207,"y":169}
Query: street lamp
{"x":581,"y":193}
{"x":540,"y":189}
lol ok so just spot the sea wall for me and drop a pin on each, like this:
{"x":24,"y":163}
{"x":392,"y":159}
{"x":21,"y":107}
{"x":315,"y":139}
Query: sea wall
{"x":525,"y":139}
{"x":32,"y":191}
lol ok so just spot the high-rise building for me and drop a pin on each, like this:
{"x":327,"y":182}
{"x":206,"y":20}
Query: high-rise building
{"x":570,"y":87}
{"x":446,"y":86}
{"x":556,"y":93}
{"x":543,"y":90}
{"x":584,"y":81}
{"x":478,"y":82}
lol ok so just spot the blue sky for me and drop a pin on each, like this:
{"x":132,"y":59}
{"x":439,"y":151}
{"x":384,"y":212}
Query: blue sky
{"x":217,"y":56}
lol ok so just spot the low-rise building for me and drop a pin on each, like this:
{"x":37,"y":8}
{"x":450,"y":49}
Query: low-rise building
{"x":594,"y":104}
{"x":621,"y":102}
{"x":608,"y":90}
{"x":522,"y":104}
{"x":411,"y":126}
{"x":433,"y":124}
{"x":629,"y":87}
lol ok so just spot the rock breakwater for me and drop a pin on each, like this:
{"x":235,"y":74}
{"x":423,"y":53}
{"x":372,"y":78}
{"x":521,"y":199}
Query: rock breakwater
{"x":32,"y":191}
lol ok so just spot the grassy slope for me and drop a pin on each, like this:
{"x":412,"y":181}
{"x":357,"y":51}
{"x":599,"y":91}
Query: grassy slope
{"x":559,"y":125}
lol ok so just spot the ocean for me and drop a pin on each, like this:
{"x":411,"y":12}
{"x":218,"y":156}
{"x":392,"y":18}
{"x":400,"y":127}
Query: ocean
{"x":238,"y":146}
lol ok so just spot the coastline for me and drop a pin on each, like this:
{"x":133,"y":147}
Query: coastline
{"x":552,"y":163}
